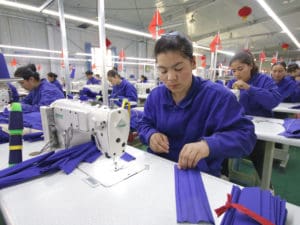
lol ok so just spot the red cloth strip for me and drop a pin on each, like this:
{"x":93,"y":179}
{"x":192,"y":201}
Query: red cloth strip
{"x":242,"y":209}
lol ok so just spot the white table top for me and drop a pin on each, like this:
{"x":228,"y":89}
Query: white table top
{"x":147,"y":198}
{"x":267,"y":129}
{"x":286,"y":108}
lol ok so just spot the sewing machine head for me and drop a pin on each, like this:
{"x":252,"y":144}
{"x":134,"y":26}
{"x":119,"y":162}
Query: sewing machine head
{"x":5,"y":96}
{"x":67,"y":123}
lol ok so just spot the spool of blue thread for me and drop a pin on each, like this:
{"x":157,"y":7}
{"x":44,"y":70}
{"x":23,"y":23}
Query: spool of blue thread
{"x":15,"y":130}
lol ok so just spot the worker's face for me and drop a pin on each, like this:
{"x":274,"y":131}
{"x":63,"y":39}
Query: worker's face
{"x":89,"y":76}
{"x":241,"y":71}
{"x":113,"y":80}
{"x":28,"y":84}
{"x":50,"y":79}
{"x":278,"y":72}
{"x":295,"y":74}
{"x":175,"y":71}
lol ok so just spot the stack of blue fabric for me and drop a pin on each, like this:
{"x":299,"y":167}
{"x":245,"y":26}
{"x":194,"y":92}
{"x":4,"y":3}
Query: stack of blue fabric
{"x":30,"y":120}
{"x":253,"y":206}
{"x":292,"y":128}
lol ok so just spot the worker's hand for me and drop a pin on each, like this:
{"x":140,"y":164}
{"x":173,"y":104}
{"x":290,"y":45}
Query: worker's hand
{"x":239,"y":84}
{"x":159,"y":143}
{"x":191,"y":153}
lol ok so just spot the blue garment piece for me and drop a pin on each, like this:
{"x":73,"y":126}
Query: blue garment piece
{"x":209,"y":112}
{"x":44,"y":94}
{"x":286,"y":88}
{"x":262,"y":202}
{"x":292,"y":128}
{"x":4,"y":137}
{"x":192,"y":205}
{"x":66,"y":160}
{"x":58,"y":85}
{"x":30,"y":120}
{"x":32,"y":137}
{"x":93,"y":80}
{"x":86,"y":92}
{"x":3,"y":67}
{"x":262,"y":96}
{"x":135,"y":117}
{"x":14,"y":92}
{"x":124,"y":90}
{"x":127,"y":157}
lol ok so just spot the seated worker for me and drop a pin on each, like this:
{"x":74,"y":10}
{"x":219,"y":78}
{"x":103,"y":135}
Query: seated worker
{"x":41,"y":92}
{"x":258,"y":92}
{"x":90,"y":78}
{"x":286,"y":86}
{"x":189,"y":120}
{"x":121,"y":88}
{"x":258,"y":96}
{"x":52,"y":78}
{"x":144,"y":79}
{"x":294,"y":71}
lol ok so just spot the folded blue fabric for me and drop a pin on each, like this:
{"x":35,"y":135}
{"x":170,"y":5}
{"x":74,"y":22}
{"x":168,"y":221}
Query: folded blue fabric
{"x":4,"y":137}
{"x":292,"y":128}
{"x":32,"y":137}
{"x":261,"y":202}
{"x":66,"y":160}
{"x":191,"y":201}
{"x":127,"y":157}
{"x":30,"y":120}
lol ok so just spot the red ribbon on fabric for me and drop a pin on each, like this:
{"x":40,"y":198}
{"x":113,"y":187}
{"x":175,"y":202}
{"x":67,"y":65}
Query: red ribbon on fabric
{"x":242,"y":209}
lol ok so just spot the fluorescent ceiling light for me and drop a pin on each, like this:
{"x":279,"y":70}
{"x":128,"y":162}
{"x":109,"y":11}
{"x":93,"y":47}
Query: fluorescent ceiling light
{"x":43,"y":57}
{"x":29,"y":49}
{"x":135,"y":63}
{"x":115,"y":57}
{"x":271,"y":13}
{"x":226,"y":52}
{"x":74,"y":18}
{"x":201,"y":47}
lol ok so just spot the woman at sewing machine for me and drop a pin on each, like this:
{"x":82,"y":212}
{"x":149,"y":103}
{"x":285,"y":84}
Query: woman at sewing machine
{"x":41,"y":92}
{"x":190,"y":120}
{"x":258,"y":95}
{"x":52,"y":78}
{"x":121,"y":88}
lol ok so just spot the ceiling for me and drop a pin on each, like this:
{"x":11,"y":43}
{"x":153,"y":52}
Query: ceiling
{"x":201,"y":20}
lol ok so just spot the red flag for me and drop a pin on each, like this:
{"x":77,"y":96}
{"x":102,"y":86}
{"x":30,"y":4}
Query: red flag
{"x":274,"y":59}
{"x":155,"y":22}
{"x":94,"y":66}
{"x":62,"y":64}
{"x":215,"y":42}
{"x":262,"y":56}
{"x":203,"y":61}
{"x":13,"y":62}
{"x":38,"y":67}
{"x":122,"y":55}
{"x":107,"y":42}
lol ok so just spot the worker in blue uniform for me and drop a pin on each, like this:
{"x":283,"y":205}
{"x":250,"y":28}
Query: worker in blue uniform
{"x":258,"y":95}
{"x":122,"y":88}
{"x":90,"y":78}
{"x":285,"y":83}
{"x":189,"y":120}
{"x":41,"y":91}
{"x":52,"y":78}
{"x":258,"y":92}
{"x":293,"y":71}
{"x":14,"y":92}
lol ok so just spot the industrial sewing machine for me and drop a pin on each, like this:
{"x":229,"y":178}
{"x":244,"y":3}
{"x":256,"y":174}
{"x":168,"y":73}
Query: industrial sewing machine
{"x":67,"y":123}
